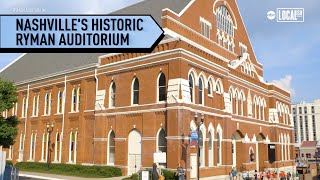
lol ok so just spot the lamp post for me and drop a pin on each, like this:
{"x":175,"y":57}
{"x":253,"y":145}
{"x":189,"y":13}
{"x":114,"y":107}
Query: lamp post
{"x":49,"y":130}
{"x":199,"y":123}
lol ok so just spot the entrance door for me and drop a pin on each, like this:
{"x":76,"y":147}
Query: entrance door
{"x":193,"y":164}
{"x":134,"y":152}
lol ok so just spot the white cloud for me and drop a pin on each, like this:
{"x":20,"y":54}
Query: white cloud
{"x":285,"y":83}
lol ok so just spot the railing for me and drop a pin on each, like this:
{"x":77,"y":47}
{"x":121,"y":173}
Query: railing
{"x":11,"y":173}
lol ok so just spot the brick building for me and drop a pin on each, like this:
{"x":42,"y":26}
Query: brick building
{"x":118,"y":109}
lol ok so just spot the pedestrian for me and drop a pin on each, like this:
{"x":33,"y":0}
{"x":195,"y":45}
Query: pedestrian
{"x":269,"y":175}
{"x":234,"y":173}
{"x":261,"y":175}
{"x":180,"y":173}
{"x":255,"y":175}
{"x":155,"y":174}
{"x":289,"y":176}
{"x":282,"y":175}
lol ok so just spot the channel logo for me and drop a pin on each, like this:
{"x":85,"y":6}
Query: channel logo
{"x":290,"y":14}
{"x":271,"y":15}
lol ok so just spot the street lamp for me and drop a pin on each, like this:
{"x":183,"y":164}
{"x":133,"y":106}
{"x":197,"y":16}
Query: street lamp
{"x":49,"y":130}
{"x":199,"y":123}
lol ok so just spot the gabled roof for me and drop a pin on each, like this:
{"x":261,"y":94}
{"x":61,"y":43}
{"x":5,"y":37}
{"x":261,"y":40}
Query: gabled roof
{"x":35,"y":65}
{"x":32,"y":66}
{"x":154,"y":7}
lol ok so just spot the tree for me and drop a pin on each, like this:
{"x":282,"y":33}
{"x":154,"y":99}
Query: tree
{"x":8,"y":126}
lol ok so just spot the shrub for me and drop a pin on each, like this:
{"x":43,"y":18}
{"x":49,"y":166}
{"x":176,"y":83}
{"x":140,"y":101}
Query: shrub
{"x":169,"y":175}
{"x":70,"y":169}
{"x":9,"y":163}
{"x":132,"y":177}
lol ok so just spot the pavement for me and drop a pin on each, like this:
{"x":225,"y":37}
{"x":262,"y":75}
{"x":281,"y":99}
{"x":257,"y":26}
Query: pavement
{"x":38,"y":176}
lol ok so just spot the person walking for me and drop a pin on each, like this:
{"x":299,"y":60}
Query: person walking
{"x":255,"y":175}
{"x":155,"y":174}
{"x":180,"y":173}
{"x":289,"y":176}
{"x":234,"y":173}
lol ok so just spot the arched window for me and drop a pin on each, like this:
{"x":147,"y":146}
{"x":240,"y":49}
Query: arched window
{"x":46,"y":104}
{"x":162,"y":141}
{"x":34,"y":112}
{"x":36,"y":99}
{"x":241,"y":103}
{"x":209,"y":88}
{"x":210,"y":147}
{"x":59,"y":108}
{"x":44,"y":147}
{"x":224,"y":20}
{"x":23,"y":113}
{"x":162,"y":94}
{"x":13,"y":110}
{"x":288,"y":144}
{"x":218,"y":148}
{"x":200,"y":91}
{"x":74,"y":100}
{"x":281,"y":142}
{"x":21,"y":142}
{"x":111,"y":144}
{"x":201,"y":146}
{"x":135,"y":91}
{"x":78,"y":98}
{"x":236,"y":99}
{"x":73,"y":147}
{"x":191,"y":86}
{"x":32,"y":146}
{"x":57,"y":148}
{"x":112,"y":95}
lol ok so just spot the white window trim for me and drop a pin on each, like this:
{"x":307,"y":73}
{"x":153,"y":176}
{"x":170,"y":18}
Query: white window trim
{"x":132,"y":92}
{"x":46,"y":103}
{"x":108,"y":149}
{"x":23,"y":107}
{"x":72,"y":100}
{"x":34,"y":150}
{"x":75,"y":148}
{"x":57,"y":155}
{"x":44,"y":156}
{"x":78,"y":100}
{"x":202,"y":93}
{"x":60,"y":101}
{"x":193,"y":87}
{"x":206,"y":23}
{"x":110,"y":99}
{"x":158,"y":78}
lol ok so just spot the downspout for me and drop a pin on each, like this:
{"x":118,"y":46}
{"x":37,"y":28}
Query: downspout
{"x":94,"y":122}
{"x":26,"y":115}
{"x":63,"y":112}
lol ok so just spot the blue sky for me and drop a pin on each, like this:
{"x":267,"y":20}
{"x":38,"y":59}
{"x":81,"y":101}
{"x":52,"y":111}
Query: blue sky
{"x":288,"y":51}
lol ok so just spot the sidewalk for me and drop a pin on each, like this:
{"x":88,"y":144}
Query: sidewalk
{"x":61,"y":177}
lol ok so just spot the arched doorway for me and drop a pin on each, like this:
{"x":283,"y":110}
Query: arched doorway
{"x":261,"y":152}
{"x":237,"y":149}
{"x":134,"y":152}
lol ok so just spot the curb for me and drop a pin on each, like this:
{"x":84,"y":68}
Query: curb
{"x":39,"y":177}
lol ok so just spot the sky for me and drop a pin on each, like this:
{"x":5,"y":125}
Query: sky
{"x":289,"y":52}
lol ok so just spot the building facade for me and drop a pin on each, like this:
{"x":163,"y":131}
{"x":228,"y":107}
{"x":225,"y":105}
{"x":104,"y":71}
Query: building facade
{"x":119,"y":109}
{"x":306,"y":118}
